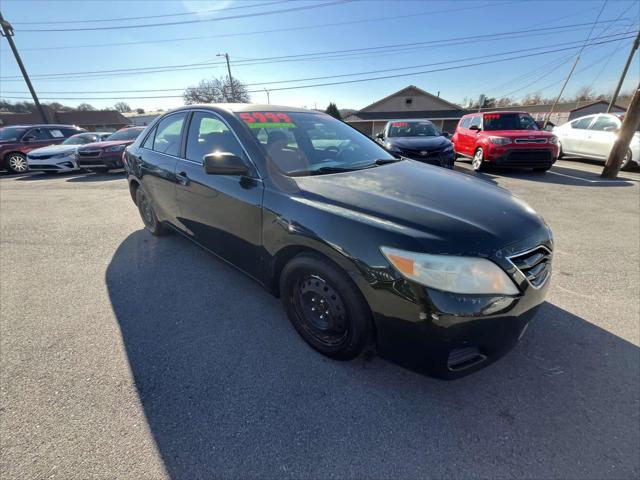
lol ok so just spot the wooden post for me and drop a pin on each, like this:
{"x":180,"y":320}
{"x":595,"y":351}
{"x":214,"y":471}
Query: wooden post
{"x":621,"y":146}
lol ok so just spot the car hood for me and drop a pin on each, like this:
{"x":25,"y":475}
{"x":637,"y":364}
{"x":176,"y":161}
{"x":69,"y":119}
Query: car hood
{"x":106,"y":143}
{"x":448,"y":212}
{"x":519,"y":133}
{"x":417,"y":143}
{"x":54,"y":150}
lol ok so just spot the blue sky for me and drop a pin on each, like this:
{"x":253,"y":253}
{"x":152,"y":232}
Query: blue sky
{"x":365,"y":23}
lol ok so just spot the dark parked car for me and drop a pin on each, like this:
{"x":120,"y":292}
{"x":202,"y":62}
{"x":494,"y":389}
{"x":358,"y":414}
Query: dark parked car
{"x":17,"y":141}
{"x":62,"y":158}
{"x":419,"y":140}
{"x":107,"y":155}
{"x":440,"y":271}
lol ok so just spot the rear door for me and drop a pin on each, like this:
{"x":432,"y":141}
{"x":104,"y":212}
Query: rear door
{"x":600,"y":137}
{"x":472,"y":135}
{"x":572,"y":141}
{"x":221,"y":212}
{"x":461,"y":139}
{"x":37,"y":138}
{"x":157,"y":158}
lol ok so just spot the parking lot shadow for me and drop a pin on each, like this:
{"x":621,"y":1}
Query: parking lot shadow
{"x":557,"y":175}
{"x":230,"y":391}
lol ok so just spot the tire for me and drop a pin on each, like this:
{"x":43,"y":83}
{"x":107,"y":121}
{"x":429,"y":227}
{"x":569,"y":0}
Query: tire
{"x":478,"y":163}
{"x":325,"y":307}
{"x":627,"y":162}
{"x":148,"y":215}
{"x":560,"y":152}
{"x":16,"y":162}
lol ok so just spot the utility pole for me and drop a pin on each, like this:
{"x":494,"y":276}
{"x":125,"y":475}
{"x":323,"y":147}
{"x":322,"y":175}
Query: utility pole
{"x":621,"y":146}
{"x":564,"y":85}
{"x":636,"y":42}
{"x":7,"y":31}
{"x":226,"y":56}
{"x":267,"y":92}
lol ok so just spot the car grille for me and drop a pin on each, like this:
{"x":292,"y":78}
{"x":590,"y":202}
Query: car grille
{"x":527,"y":158}
{"x":89,"y":153}
{"x":534,"y":265}
{"x":531,"y":140}
{"x":39,"y":157}
{"x":418,"y":153}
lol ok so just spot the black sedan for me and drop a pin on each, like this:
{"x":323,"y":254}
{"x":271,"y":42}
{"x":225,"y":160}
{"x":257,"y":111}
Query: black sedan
{"x":419,"y":140}
{"x":439,"y":271}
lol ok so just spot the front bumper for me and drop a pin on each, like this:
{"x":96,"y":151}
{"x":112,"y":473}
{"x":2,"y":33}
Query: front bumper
{"x":62,"y":165}
{"x":104,"y":160}
{"x":449,"y":335}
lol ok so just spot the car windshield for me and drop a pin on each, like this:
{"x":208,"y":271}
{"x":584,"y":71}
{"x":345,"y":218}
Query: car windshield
{"x":80,"y":139}
{"x":126,"y":134}
{"x":413,"y":129}
{"x":509,"y":121}
{"x":305,"y":143}
{"x":11,"y":133}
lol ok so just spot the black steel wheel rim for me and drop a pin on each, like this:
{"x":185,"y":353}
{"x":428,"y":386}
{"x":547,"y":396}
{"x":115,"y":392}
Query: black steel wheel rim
{"x":147,"y":212}
{"x":321,"y":310}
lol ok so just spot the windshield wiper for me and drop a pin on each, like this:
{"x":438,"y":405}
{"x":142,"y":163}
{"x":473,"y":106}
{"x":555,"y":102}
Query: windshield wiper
{"x":384,"y":161}
{"x":319,"y":171}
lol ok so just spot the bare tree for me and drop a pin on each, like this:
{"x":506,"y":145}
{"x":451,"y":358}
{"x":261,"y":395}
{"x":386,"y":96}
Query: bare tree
{"x":217,"y":90}
{"x":584,"y":93}
{"x":85,"y":107}
{"x":122,"y":107}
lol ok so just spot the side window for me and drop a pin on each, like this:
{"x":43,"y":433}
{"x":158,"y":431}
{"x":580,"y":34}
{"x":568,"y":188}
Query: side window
{"x":464,"y":123}
{"x":167,"y":137}
{"x":208,"y":134}
{"x":148,"y":143}
{"x":603,"y":123}
{"x":582,"y":123}
{"x":37,"y":134}
{"x":475,"y":121}
{"x":67,"y":132}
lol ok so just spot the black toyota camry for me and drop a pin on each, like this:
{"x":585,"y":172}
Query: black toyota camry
{"x":419,"y":140}
{"x":437,"y":270}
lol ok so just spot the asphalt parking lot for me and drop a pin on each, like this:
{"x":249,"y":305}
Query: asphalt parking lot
{"x":127,"y":356}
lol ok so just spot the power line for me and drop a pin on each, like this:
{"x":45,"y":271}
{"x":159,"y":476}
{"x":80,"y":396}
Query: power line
{"x":483,"y":62}
{"x":257,"y":61}
{"x":146,"y":17}
{"x":185,"y":22}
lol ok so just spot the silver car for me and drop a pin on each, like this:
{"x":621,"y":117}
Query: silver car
{"x":62,"y":157}
{"x":593,"y":137}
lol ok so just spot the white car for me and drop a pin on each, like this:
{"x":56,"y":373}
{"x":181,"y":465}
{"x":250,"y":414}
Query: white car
{"x":593,"y":137}
{"x":62,"y":157}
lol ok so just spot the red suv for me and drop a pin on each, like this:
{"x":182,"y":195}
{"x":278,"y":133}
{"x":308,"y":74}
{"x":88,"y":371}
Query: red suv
{"x":509,"y":139}
{"x":16,"y":141}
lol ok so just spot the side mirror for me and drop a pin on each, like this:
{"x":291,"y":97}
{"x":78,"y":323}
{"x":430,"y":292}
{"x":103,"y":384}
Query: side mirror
{"x":28,"y":138}
{"x":380,"y":136}
{"x":474,"y":127}
{"x":224,"y":163}
{"x":446,"y":134}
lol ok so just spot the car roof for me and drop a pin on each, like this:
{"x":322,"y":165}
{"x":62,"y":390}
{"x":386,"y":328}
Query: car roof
{"x":411,"y":120}
{"x":246,"y":107}
{"x":52,"y":125}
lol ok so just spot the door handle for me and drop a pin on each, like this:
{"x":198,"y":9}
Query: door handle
{"x":183,"y":179}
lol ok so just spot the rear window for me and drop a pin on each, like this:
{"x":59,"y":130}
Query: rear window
{"x":126,"y":134}
{"x":11,"y":133}
{"x":509,"y":121}
{"x":464,"y":123}
{"x":582,"y":123}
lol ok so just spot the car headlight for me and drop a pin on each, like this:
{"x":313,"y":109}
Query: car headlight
{"x":391,"y":147}
{"x":467,"y":275}
{"x":63,"y":155}
{"x":115,"y":148}
{"x":500,"y":140}
{"x":553,"y":140}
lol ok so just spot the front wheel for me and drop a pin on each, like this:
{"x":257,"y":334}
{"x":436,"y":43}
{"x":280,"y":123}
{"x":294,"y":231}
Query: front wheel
{"x":627,"y":164}
{"x":478,"y":163}
{"x":17,"y":163}
{"x":325,"y":307}
{"x":148,"y":215}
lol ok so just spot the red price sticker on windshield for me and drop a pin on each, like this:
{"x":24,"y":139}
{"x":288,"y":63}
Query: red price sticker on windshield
{"x":491,"y":116}
{"x":400,"y":124}
{"x":266,"y":120}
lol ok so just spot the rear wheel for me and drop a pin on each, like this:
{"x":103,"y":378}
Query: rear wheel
{"x":627,"y":163}
{"x":16,"y":162}
{"x":325,"y":307}
{"x":478,"y":163}
{"x":560,"y":152}
{"x":148,"y":215}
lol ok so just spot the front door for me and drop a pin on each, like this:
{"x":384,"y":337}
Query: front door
{"x":221,"y":212}
{"x":600,"y":137}
{"x":572,"y":141}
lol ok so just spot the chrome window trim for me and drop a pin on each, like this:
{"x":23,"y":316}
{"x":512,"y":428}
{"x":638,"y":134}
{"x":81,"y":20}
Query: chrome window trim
{"x":521,"y":276}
